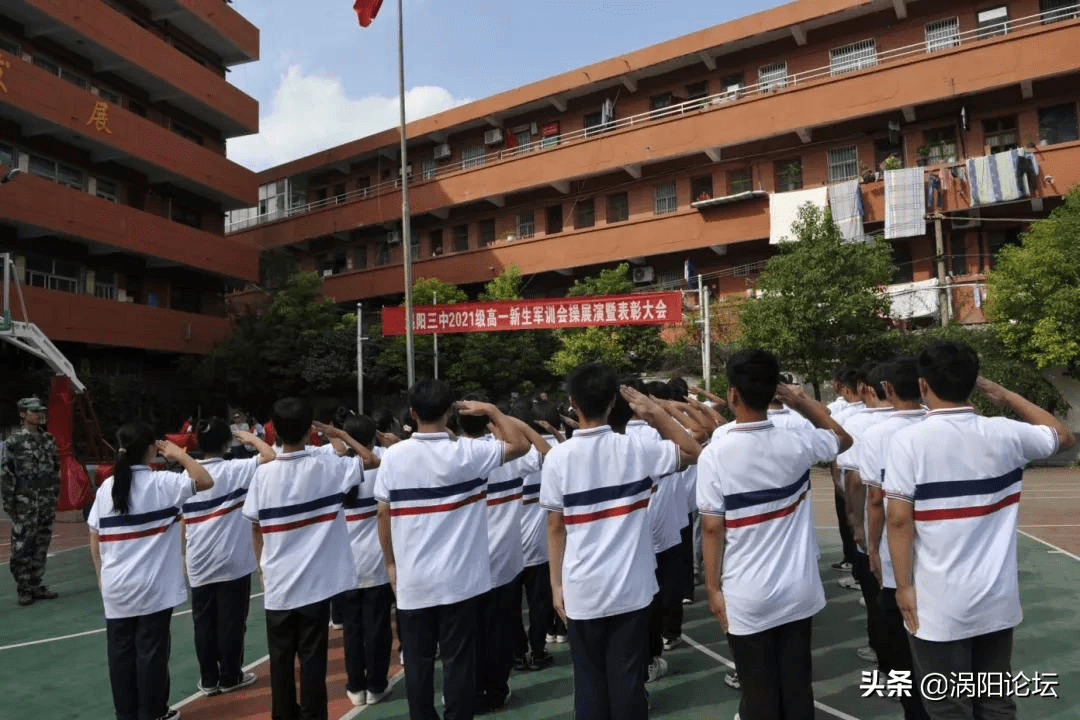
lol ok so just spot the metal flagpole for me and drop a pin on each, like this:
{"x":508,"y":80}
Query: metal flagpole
{"x":435,"y":337}
{"x":406,"y":230}
{"x":359,"y":358}
{"x":706,"y":335}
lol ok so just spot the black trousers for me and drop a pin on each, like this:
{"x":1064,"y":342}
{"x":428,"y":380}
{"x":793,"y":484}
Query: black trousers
{"x":365,"y":613}
{"x":871,"y":590}
{"x":453,"y":628}
{"x":687,"y":544}
{"x":776,"y":672}
{"x":895,"y":652}
{"x":138,"y":650}
{"x":990,"y":653}
{"x":666,"y":611}
{"x":535,"y":582}
{"x":847,"y":537}
{"x":610,"y":657}
{"x":497,"y":622}
{"x":298,"y":634}
{"x":219,"y":612}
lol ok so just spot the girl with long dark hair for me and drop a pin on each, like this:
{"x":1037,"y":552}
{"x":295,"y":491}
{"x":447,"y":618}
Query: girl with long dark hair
{"x":135,"y":545}
{"x":220,"y":557}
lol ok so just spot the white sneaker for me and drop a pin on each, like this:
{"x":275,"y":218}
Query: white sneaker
{"x":358,"y":699}
{"x":862,"y":601}
{"x":736,"y":716}
{"x":672,"y":643}
{"x":848,"y":583}
{"x":549,"y":638}
{"x":867,"y":653}
{"x":335,"y":626}
{"x":560,"y":639}
{"x":374,"y":697}
{"x":246,"y":679}
{"x":731,"y":679}
{"x":658,"y":668}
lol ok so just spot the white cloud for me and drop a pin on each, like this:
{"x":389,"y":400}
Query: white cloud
{"x":309,"y":113}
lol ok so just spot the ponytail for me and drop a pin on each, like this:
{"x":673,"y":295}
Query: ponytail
{"x":133,"y":440}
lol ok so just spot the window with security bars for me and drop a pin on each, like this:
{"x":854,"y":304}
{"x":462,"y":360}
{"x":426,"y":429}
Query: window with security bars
{"x":856,"y":56}
{"x":1057,"y":10}
{"x":618,"y":207}
{"x":993,"y":21}
{"x":843,"y":163}
{"x":941,"y":143}
{"x":772,"y":77}
{"x":526,"y":224}
{"x":942,"y":34}
{"x":105,"y":284}
{"x":106,"y":189}
{"x":472,"y":156}
{"x":665,"y":199}
{"x":999,"y":134}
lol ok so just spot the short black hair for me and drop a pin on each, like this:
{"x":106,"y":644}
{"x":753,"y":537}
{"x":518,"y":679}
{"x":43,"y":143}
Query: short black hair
{"x":474,"y":425}
{"x":660,"y":390}
{"x":360,"y":428}
{"x":950,"y":369}
{"x":852,"y":377}
{"x":875,"y":376}
{"x":384,"y":419}
{"x":754,"y":373}
{"x":679,"y":387}
{"x":838,"y":373}
{"x":292,"y":418}
{"x":430,"y":399}
{"x":593,"y":387}
{"x":903,"y":374}
{"x":213,"y":435}
{"x":546,"y":410}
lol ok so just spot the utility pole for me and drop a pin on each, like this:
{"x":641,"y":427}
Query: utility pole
{"x":706,"y":334}
{"x":435,"y":338}
{"x":360,"y":358}
{"x":944,"y":297}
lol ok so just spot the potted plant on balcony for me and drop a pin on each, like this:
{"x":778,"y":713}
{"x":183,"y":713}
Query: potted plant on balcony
{"x":891,"y":163}
{"x":922,"y":154}
{"x":791,"y":176}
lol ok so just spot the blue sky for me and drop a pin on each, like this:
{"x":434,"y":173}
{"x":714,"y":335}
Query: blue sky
{"x":323,"y":80}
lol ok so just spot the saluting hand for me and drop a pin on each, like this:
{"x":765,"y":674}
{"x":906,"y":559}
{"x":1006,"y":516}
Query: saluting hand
{"x":386,"y":439}
{"x":329,"y":431}
{"x":640,"y":403}
{"x":994,"y":393}
{"x":792,"y":395}
{"x":170,"y":450}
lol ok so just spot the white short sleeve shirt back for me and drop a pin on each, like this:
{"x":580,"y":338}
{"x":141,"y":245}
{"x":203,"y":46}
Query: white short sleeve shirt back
{"x":757,"y":476}
{"x":436,"y":489}
{"x":504,"y":493}
{"x":297,"y":502}
{"x":534,"y":518}
{"x":363,"y":525}
{"x":601,"y":482}
{"x":666,"y":517}
{"x":218,"y":537}
{"x":141,"y":571}
{"x":963,"y":474}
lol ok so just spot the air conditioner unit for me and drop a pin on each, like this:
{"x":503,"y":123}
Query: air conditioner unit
{"x":442,"y":152}
{"x":643,"y":274}
{"x":393,"y":237}
{"x":493,"y":137}
{"x":327,"y":272}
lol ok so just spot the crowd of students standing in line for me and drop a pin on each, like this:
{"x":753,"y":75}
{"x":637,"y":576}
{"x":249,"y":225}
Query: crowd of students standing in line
{"x":478,"y":506}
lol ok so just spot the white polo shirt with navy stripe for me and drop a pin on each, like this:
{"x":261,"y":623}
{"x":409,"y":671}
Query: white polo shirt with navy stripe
{"x":785,"y":417}
{"x":837,"y":406}
{"x":504,"y":494}
{"x":436,"y":489}
{"x":666,"y":517}
{"x":757,"y":477}
{"x":297,"y":502}
{"x":218,"y":537}
{"x":360,"y":518}
{"x":601,"y":482}
{"x":963,"y":474}
{"x":141,"y":571}
{"x":534,"y":518}
{"x":870,"y":459}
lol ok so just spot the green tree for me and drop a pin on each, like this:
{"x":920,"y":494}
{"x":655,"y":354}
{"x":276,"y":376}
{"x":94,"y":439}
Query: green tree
{"x":627,"y":349}
{"x":821,"y":300}
{"x":1035,"y":290}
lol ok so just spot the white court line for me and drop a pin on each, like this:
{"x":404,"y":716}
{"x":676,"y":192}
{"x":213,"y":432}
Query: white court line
{"x":1041,"y":526}
{"x":54,"y":553}
{"x":1050,"y":545}
{"x":357,"y":710}
{"x":82,"y":634}
{"x":196,"y":695}
{"x":716,"y":656}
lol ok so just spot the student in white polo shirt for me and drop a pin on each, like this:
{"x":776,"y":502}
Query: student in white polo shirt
{"x":953,"y":485}
{"x":900,"y":381}
{"x":535,"y":579}
{"x":300,"y":537}
{"x":433,"y":529}
{"x":220,"y":557}
{"x":596,"y":488}
{"x":135,"y":547}
{"x":846,"y":382}
{"x":761,"y":570}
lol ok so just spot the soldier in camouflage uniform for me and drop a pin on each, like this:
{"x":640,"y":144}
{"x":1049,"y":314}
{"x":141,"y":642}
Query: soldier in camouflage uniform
{"x":29,"y":486}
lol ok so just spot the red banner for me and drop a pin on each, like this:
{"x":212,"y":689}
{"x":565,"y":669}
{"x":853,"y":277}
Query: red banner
{"x":544,"y":314}
{"x":74,"y":484}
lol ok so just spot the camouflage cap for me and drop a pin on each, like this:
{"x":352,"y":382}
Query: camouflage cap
{"x":31,"y":404}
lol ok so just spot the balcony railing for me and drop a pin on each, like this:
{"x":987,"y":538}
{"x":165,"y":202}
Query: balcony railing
{"x":770,"y":86}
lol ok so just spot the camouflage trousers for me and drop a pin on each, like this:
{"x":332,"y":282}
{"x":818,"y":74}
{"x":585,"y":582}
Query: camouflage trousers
{"x":31,"y":533}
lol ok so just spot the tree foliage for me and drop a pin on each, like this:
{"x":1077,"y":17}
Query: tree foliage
{"x":627,"y":349}
{"x":821,"y":300}
{"x":1035,"y":290}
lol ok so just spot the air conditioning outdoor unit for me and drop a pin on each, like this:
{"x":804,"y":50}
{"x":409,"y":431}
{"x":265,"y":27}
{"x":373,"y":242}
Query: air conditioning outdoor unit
{"x":393,"y":237}
{"x":442,"y":152}
{"x":327,"y":272}
{"x":493,"y":137}
{"x":643,"y":274}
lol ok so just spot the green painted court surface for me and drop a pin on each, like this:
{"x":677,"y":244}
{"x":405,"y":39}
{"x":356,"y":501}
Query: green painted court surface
{"x":67,"y":677}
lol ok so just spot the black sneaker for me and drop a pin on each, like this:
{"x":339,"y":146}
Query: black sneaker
{"x":522,"y":663}
{"x":540,"y":660}
{"x":246,"y":679}
{"x":842,"y":566}
{"x":43,"y":593}
{"x":173,"y":714}
{"x":26,"y":599}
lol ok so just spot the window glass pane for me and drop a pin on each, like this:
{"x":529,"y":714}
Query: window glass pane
{"x":772,"y":77}
{"x":42,"y":168}
{"x":487,"y":232}
{"x":553,"y":222}
{"x":1057,"y":124}
{"x":788,"y":174}
{"x":740,"y":181}
{"x":942,"y":34}
{"x":7,"y":156}
{"x":526,"y":224}
{"x":1057,"y":10}
{"x":472,"y":156}
{"x":586,"y":214}
{"x":994,"y":21}
{"x":618,"y":208}
{"x":665,"y":198}
{"x":461,"y":238}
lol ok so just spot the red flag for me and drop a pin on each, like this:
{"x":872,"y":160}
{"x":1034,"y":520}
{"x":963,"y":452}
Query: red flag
{"x":366,"y":10}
